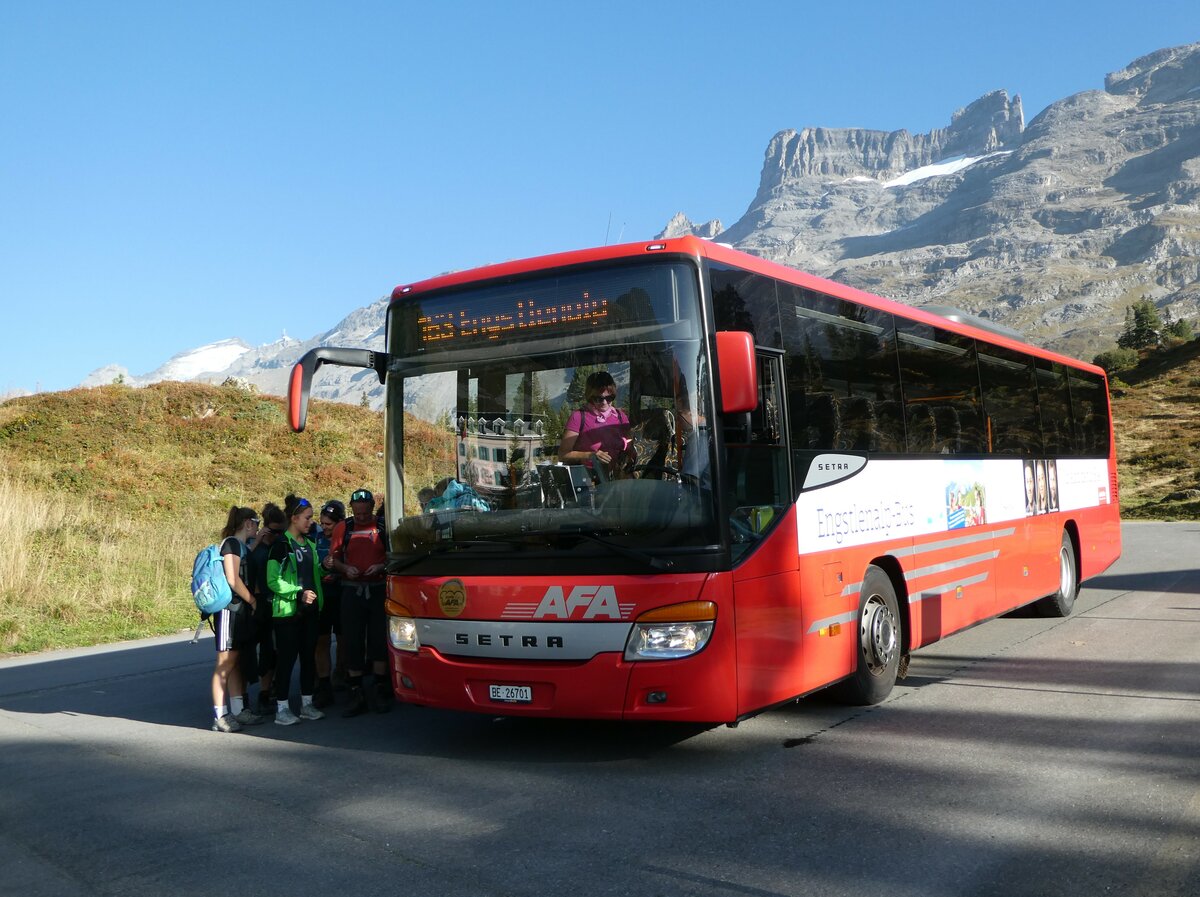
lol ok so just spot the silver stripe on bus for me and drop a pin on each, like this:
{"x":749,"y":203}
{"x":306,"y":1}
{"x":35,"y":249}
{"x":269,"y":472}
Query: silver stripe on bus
{"x":910,"y":575}
{"x":522,"y":641}
{"x":854,"y":587}
{"x":829,"y":621}
{"x":950,"y":586}
{"x":952,"y":543}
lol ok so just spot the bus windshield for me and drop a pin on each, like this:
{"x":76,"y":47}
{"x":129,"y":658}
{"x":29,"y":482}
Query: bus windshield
{"x":561,"y":414}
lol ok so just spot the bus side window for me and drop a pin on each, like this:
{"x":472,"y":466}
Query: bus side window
{"x":757,"y":458}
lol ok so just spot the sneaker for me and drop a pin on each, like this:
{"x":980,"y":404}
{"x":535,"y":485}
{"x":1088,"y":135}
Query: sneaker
{"x":382,"y":697}
{"x":358,"y":703}
{"x":227,"y":723}
{"x":285,"y":717}
{"x":249,"y":718}
{"x":323,"y":696}
{"x":308,"y":711}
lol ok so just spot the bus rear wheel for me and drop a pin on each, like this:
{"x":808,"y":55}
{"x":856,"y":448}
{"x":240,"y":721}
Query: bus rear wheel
{"x":1062,"y":602}
{"x":878,"y":649}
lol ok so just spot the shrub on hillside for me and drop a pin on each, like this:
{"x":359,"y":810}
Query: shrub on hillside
{"x":1114,"y":361}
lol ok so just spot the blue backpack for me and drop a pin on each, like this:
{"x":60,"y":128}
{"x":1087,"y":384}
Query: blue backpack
{"x":210,"y":588}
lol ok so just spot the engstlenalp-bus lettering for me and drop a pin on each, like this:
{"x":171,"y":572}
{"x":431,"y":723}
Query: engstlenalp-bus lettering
{"x":884,"y":517}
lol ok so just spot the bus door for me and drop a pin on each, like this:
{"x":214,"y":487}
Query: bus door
{"x":758,"y":494}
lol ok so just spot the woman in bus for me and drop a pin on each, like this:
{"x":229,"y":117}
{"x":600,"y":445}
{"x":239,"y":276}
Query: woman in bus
{"x":294,"y":576}
{"x":598,"y":434}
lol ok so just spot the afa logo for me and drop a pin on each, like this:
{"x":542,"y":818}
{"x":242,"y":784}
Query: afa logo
{"x":580,"y":603}
{"x":452,"y":597}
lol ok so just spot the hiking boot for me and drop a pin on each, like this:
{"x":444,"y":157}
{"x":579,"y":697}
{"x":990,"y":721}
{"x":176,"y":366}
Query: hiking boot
{"x":285,"y":717}
{"x":358,"y":703}
{"x":266,"y":702}
{"x":249,"y":718}
{"x":381,"y":697}
{"x":308,"y":711}
{"x":340,"y":681}
{"x":323,"y":696}
{"x":226,"y":723}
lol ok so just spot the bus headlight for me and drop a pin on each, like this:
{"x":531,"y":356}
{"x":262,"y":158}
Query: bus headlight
{"x":667,"y":633}
{"x":402,"y":633}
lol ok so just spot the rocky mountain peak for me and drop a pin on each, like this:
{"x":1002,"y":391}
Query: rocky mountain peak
{"x":1053,"y":230}
{"x":681,"y":226}
{"x":991,"y":123}
{"x":1161,"y":77}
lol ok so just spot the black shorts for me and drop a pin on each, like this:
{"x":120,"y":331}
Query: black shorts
{"x":233,"y":627}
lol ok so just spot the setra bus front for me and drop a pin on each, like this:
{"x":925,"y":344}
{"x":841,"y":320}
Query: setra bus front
{"x":557,"y":547}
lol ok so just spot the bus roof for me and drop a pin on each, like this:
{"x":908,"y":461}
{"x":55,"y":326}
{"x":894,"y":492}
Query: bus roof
{"x":726,"y":254}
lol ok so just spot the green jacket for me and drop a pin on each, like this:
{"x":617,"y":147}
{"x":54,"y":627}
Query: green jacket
{"x":283,"y":576}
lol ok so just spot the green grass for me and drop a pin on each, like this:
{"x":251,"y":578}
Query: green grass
{"x":115,"y":489}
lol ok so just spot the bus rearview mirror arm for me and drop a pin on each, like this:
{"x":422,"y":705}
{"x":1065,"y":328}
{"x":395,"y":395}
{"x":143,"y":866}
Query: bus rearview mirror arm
{"x":300,"y":382}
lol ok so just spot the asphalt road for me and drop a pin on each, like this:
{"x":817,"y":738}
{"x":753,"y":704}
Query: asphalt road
{"x":1025,"y":756}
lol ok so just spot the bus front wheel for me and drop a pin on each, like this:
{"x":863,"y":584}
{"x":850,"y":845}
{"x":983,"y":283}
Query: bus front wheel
{"x":1061,"y":602}
{"x":878,"y":648}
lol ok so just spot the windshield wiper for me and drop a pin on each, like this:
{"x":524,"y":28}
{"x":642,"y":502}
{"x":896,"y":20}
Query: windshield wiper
{"x":655,"y":563}
{"x":439,"y":547}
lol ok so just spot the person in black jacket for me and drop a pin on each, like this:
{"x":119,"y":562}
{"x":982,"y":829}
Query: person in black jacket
{"x":259,"y":661}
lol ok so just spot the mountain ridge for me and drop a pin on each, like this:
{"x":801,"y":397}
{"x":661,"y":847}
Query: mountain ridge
{"x":1051,"y":228}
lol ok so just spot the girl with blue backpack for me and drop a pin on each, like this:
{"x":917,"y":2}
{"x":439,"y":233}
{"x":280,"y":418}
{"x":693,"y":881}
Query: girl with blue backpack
{"x":231,"y":622}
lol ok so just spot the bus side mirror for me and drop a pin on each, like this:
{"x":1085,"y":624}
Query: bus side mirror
{"x":298,"y":386}
{"x":300,"y":382}
{"x":738,"y":371}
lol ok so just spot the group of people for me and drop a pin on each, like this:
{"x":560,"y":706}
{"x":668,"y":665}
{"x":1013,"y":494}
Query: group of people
{"x":301,"y":590}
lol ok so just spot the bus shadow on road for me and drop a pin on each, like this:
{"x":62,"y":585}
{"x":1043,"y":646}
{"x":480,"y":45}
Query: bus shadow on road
{"x":167,"y":684}
{"x":1183,"y":582}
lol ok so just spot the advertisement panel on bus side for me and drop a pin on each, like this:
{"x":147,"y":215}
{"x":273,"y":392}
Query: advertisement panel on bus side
{"x":880,"y":500}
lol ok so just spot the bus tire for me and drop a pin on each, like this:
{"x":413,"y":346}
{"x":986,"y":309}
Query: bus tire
{"x":878,"y":645}
{"x":1061,"y":603}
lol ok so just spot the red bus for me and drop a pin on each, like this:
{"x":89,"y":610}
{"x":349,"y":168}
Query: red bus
{"x":816,"y":482}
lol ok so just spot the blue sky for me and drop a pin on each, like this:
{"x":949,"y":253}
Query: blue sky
{"x":174,"y":174}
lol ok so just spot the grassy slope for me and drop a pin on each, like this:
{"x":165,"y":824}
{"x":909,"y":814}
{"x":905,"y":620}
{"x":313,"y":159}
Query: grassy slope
{"x":1157,"y":422}
{"x":113,"y":490}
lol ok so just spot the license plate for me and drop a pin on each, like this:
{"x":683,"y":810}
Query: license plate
{"x":512,"y":694}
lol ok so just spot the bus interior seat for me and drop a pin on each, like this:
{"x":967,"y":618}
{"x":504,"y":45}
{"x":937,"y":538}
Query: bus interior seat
{"x":821,"y":423}
{"x":947,"y":429}
{"x":857,"y":424}
{"x":921,"y":430}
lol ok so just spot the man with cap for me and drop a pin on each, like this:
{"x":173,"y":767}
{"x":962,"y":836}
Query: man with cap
{"x":359,"y":552}
{"x":329,"y":622}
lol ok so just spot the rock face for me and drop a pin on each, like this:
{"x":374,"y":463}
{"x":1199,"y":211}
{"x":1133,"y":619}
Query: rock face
{"x":681,"y":226}
{"x":1052,"y":229}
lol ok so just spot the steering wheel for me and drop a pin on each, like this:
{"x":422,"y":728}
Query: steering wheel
{"x":667,"y":469}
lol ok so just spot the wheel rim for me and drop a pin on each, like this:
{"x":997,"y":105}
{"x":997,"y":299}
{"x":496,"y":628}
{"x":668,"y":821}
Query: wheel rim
{"x":1066,"y":574}
{"x":878,"y":635}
